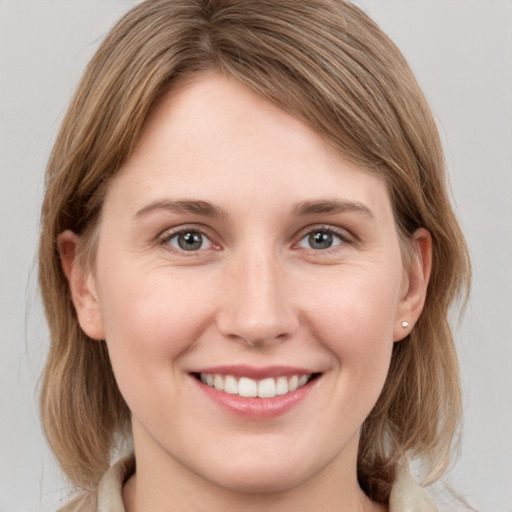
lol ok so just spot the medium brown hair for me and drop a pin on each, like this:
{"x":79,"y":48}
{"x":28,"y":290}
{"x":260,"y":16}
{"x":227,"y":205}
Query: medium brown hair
{"x":328,"y":64}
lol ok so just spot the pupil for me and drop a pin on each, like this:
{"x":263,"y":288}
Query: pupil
{"x":190,"y":241}
{"x":320,"y":240}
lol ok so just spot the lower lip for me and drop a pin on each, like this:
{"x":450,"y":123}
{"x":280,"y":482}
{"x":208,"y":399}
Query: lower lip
{"x":258,"y":408}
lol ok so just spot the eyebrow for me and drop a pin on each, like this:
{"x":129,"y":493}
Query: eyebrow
{"x":185,"y":206}
{"x":331,"y":206}
{"x":303,"y":208}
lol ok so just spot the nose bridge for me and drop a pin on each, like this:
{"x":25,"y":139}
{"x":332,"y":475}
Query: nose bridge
{"x":257,"y":306}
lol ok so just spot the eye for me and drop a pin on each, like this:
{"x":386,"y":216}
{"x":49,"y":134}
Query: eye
{"x":188,"y":240}
{"x":321,"y":239}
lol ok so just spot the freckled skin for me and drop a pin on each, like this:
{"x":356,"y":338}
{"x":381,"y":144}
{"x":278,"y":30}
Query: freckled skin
{"x":256,"y":280}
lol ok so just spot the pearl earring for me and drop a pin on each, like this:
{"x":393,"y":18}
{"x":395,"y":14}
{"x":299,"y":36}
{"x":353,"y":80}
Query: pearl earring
{"x":405,"y":324}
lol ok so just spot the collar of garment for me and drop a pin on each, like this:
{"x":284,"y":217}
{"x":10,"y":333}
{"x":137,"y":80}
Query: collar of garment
{"x":406,"y":494}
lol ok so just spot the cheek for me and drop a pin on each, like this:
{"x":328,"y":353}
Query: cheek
{"x":356,"y":301}
{"x":150,"y":321}
{"x":150,"y":318}
{"x":355,"y":319}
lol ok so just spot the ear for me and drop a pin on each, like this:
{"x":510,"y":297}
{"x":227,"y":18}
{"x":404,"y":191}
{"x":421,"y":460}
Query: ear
{"x":81,"y":285}
{"x":414,"y":286}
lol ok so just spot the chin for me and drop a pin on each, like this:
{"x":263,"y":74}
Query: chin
{"x":266,"y":480}
{"x":260,"y":474}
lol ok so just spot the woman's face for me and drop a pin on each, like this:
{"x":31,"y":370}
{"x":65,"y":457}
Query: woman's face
{"x":237,"y":255}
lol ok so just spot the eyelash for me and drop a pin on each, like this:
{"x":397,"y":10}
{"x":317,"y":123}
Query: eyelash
{"x":165,"y":239}
{"x":343,"y":235}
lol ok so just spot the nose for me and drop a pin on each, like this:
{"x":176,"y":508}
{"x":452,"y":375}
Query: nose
{"x":257,"y":305}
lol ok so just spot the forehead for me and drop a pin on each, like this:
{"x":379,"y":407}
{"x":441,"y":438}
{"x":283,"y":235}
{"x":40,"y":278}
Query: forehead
{"x":211,"y":137}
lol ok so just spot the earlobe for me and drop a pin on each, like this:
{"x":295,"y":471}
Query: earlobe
{"x":416,"y":278}
{"x":81,"y":285}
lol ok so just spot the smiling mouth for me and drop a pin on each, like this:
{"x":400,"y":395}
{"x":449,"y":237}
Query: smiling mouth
{"x":252,"y":388}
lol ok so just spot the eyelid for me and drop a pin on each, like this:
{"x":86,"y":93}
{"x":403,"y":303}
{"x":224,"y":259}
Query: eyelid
{"x":164,"y":238}
{"x":346,"y":236}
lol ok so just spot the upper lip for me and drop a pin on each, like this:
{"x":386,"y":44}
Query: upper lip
{"x":256,"y":373}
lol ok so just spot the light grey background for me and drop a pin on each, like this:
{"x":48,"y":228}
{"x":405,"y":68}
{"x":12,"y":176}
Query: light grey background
{"x":461,"y":51}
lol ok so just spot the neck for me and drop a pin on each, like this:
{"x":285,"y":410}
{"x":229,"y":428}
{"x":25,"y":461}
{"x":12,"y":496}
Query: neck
{"x":163,"y":484}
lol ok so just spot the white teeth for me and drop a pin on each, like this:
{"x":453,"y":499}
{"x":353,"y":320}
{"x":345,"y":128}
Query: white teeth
{"x":231,"y":385}
{"x":218,"y":382}
{"x":246,"y":387}
{"x":266,"y":388}
{"x":282,"y":386}
{"x":294,"y":383}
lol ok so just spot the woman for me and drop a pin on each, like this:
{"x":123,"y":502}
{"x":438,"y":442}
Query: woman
{"x":247,"y":258}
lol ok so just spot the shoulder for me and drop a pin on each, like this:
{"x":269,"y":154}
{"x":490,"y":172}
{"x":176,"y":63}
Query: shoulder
{"x":109,"y":495}
{"x":408,"y":496}
{"x":83,"y":503}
